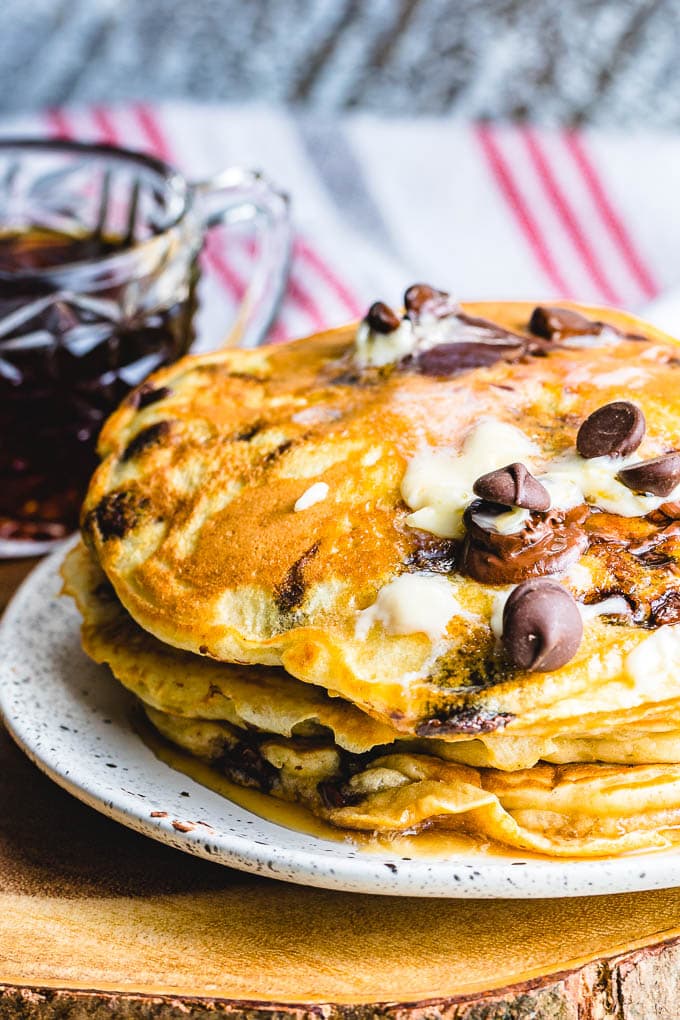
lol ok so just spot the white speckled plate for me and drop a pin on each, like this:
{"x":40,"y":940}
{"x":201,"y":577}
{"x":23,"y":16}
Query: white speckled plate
{"x":73,"y":720}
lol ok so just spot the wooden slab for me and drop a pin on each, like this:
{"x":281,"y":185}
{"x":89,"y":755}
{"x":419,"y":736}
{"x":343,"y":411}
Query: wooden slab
{"x":96,"y":920}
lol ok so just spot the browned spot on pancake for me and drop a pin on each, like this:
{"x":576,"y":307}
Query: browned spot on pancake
{"x":291,"y":591}
{"x":146,"y":438}
{"x":468,"y":720}
{"x":118,"y":513}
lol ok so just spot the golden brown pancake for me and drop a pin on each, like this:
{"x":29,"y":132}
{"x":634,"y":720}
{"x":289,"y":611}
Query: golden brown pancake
{"x":257,"y":507}
{"x":289,"y":739}
{"x":179,"y":683}
{"x":569,"y":810}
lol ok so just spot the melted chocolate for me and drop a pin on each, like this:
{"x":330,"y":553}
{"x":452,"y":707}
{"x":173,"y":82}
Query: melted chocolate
{"x":148,"y":394}
{"x":438,"y":555}
{"x":451,"y":359}
{"x":666,"y":609}
{"x":548,"y":544}
{"x":468,"y":720}
{"x":553,"y":323}
{"x":244,"y":764}
{"x":145,"y":439}
{"x":291,"y":592}
{"x":117,"y":513}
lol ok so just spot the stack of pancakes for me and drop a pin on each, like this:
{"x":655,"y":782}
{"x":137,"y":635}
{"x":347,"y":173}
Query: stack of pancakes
{"x":423,"y":573}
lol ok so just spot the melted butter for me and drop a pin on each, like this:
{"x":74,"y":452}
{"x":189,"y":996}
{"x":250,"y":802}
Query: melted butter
{"x":378,"y":349}
{"x":412,"y":604}
{"x":497,"y":607}
{"x":508,"y":523}
{"x":605,"y":338}
{"x":426,"y":843}
{"x":437,"y":484}
{"x":616,"y":605}
{"x":572,"y":480}
{"x":655,"y":659}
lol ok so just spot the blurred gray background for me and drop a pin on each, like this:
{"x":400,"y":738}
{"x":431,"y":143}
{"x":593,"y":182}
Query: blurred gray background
{"x":614,"y":62}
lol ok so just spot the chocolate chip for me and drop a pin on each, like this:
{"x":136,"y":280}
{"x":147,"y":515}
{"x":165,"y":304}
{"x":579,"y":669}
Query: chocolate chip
{"x":658,"y":476}
{"x":146,"y":438}
{"x":244,"y":765}
{"x":291,"y":592}
{"x":117,"y":513}
{"x":542,"y":626}
{"x":381,"y":318}
{"x":420,"y":294}
{"x":147,"y":394}
{"x":614,"y":430}
{"x":513,"y":485}
{"x":554,"y":323}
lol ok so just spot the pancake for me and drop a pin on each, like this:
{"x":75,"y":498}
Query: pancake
{"x":267,"y":731}
{"x":179,"y":683}
{"x":266,"y":699}
{"x":291,"y":506}
{"x":561,"y":811}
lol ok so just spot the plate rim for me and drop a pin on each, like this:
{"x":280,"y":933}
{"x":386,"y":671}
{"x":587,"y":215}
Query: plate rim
{"x":375,"y":873}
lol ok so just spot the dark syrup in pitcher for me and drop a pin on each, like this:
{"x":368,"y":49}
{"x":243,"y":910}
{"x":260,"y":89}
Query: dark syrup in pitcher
{"x":64,"y":366}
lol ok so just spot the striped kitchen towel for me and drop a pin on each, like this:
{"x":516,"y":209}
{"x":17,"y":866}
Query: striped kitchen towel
{"x":482,"y":210}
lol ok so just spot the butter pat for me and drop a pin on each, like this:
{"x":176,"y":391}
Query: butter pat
{"x":412,"y":604}
{"x":437,"y":484}
{"x":314,"y":494}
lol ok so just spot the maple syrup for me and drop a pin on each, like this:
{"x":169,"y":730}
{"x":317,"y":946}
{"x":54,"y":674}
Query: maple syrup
{"x":66,"y":361}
